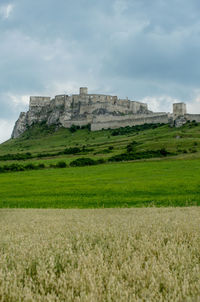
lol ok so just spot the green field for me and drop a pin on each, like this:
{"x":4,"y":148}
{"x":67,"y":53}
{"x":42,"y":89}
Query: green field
{"x":172,"y":180}
{"x":150,"y":183}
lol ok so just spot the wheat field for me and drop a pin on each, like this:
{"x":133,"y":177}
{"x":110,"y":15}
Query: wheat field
{"x":147,"y":254}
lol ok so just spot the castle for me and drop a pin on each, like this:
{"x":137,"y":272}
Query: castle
{"x":98,"y":110}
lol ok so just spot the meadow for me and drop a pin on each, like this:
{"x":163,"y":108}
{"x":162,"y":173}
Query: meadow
{"x":100,"y":255}
{"x":127,"y":184}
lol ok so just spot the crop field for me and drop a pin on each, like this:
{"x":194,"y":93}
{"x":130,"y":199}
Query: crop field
{"x":150,"y":183}
{"x":100,"y":255}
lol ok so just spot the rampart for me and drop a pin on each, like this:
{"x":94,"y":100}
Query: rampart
{"x":39,"y":101}
{"x":193,"y":117}
{"x":114,"y":122}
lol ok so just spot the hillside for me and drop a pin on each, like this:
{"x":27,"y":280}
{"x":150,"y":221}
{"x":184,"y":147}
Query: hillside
{"x":41,"y":140}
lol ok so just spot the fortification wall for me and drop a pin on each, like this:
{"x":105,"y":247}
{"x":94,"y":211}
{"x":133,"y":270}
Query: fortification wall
{"x":113,"y":122}
{"x":192,"y":117}
{"x":95,"y":104}
{"x":79,"y":122}
{"x":39,"y":101}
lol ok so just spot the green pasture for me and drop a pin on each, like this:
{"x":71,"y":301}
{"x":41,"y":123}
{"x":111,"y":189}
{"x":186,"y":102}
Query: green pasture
{"x":40,"y":140}
{"x":150,"y":183}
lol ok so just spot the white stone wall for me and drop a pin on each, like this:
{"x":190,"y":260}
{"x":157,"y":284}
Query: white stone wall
{"x":114,"y":122}
{"x":193,"y":117}
{"x":39,"y":101}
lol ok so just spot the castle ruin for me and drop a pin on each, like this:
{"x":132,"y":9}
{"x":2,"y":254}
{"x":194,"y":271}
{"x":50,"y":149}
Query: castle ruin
{"x":98,"y":110}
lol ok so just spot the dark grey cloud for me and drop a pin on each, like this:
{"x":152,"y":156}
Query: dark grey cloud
{"x":135,"y":48}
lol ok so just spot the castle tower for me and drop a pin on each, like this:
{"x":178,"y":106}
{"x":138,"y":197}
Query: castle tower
{"x":179,"y":109}
{"x":83,"y":90}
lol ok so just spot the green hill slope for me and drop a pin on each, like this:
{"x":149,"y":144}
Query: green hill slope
{"x":47,"y":144}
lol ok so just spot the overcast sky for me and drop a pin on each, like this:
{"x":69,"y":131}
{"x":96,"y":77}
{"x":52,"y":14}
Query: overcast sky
{"x":147,"y":50}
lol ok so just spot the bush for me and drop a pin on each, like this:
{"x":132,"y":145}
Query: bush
{"x":80,"y":162}
{"x":88,"y":127}
{"x":72,"y":150}
{"x":128,"y":129}
{"x":13,"y":167}
{"x":163,"y":152}
{"x":61,"y":164}
{"x":139,"y":155}
{"x":74,"y":128}
{"x":30,"y":167}
{"x":131,"y":147}
{"x":100,"y":161}
{"x":17,"y":156}
{"x":41,"y":166}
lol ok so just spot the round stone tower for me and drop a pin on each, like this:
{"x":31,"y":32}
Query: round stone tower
{"x":83,"y":90}
{"x":179,"y":109}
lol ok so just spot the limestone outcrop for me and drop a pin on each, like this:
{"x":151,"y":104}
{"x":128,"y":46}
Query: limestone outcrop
{"x":100,"y":111}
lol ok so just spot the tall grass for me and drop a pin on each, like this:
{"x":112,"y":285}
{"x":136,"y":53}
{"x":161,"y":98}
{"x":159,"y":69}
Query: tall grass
{"x":100,"y":255}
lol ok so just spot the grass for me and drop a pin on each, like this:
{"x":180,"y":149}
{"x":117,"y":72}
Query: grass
{"x":40,"y":140}
{"x":150,"y":183}
{"x":100,"y":255}
{"x":172,"y":181}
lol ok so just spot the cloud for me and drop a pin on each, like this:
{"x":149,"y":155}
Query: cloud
{"x":6,"y":127}
{"x":145,"y":50}
{"x":194,"y":106}
{"x":6,"y":10}
{"x":160,"y":104}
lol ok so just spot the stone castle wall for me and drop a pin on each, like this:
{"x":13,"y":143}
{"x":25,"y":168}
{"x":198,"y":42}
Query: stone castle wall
{"x":193,"y":117}
{"x":113,"y":122}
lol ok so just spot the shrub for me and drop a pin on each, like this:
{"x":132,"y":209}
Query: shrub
{"x":100,"y":161}
{"x":14,"y":167}
{"x":17,"y":156}
{"x":61,"y":164}
{"x":131,"y":147}
{"x":41,"y":166}
{"x":139,"y":155}
{"x":128,"y":129}
{"x":73,"y":128}
{"x":30,"y":167}
{"x":164,"y":152}
{"x":80,"y":162}
{"x":72,"y":150}
{"x":88,"y":127}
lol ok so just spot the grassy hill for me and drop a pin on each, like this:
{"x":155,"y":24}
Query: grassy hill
{"x":154,"y":178}
{"x":40,"y":139}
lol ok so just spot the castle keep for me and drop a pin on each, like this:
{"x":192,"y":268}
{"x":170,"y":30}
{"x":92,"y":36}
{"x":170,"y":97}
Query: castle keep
{"x":98,"y":110}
